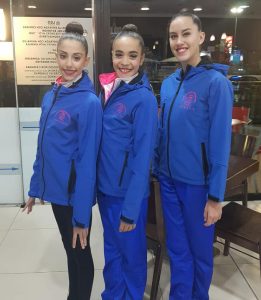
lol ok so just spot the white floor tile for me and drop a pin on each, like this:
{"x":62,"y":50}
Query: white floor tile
{"x":32,"y":251}
{"x":165,"y":280}
{"x":34,"y":286}
{"x":97,"y":239}
{"x":150,"y":264}
{"x":98,"y":285}
{"x":7,"y":216}
{"x":219,"y":258}
{"x":33,"y":244}
{"x":252,"y":275}
{"x":242,"y":258}
{"x":2,"y":235}
{"x":42,"y":286}
{"x":40,"y":217}
{"x":256,"y":205}
{"x":227,"y":283}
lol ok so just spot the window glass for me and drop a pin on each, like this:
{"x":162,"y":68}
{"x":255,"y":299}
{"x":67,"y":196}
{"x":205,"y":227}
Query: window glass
{"x":7,"y":81}
{"x":231,"y":38}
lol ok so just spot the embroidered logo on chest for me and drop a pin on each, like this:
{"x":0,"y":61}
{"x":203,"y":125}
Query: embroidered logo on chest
{"x":63,"y":117}
{"x":188,"y":101}
{"x":120,"y":109}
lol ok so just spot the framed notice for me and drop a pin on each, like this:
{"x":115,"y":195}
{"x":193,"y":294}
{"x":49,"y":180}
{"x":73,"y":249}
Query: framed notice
{"x":35,"y":40}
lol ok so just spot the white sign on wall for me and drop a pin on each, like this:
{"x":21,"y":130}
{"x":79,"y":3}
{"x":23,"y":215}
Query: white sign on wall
{"x":36,"y":40}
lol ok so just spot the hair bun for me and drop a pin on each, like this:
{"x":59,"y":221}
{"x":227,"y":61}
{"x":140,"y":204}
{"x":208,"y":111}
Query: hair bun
{"x":130,"y":27}
{"x":74,"y":27}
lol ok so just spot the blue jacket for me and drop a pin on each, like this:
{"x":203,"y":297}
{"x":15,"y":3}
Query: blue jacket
{"x":195,"y":127}
{"x":68,"y":142}
{"x":128,"y":140}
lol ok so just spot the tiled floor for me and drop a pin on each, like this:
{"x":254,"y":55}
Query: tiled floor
{"x":33,"y":263}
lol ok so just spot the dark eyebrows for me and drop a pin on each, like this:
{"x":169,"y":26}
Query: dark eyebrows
{"x":184,"y":30}
{"x":120,"y":52}
{"x":64,"y":52}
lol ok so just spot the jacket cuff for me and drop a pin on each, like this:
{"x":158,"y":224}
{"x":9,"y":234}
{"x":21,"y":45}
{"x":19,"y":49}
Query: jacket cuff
{"x":32,"y":195}
{"x":78,"y":224}
{"x":213,"y":198}
{"x":126,"y":220}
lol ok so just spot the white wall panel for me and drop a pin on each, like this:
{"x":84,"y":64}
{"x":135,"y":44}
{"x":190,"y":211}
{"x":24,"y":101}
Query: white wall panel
{"x":11,"y":191}
{"x":29,"y":120}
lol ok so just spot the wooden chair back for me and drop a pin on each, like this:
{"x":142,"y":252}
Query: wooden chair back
{"x":243,"y":145}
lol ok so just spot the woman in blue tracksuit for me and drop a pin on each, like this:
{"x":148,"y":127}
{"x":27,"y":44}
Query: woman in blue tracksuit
{"x":192,"y":158}
{"x":65,"y":165}
{"x":129,"y":129}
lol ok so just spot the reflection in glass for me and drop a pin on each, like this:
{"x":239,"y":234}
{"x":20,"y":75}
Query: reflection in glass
{"x":7,"y":84}
{"x":2,"y":25}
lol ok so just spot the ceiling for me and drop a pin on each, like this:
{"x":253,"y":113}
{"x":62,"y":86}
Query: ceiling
{"x":163,"y":8}
{"x":131,"y":8}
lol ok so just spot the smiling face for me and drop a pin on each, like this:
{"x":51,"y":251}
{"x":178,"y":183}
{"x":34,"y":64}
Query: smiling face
{"x":127,"y":56}
{"x":185,"y":40}
{"x":71,"y":58}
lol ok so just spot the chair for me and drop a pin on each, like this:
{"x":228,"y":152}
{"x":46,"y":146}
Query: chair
{"x":240,"y":116}
{"x":155,"y":234}
{"x":242,"y":226}
{"x":241,"y":113}
{"x":241,"y":145}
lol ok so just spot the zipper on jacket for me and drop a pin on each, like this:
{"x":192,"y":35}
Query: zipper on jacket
{"x":168,"y":124}
{"x":162,"y":115}
{"x":71,"y":181}
{"x":44,"y":126}
{"x":123,"y":167}
{"x":105,"y":103}
{"x":102,"y":99}
{"x":204,"y":161}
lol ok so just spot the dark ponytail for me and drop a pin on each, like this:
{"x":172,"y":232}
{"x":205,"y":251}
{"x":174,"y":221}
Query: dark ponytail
{"x":195,"y":18}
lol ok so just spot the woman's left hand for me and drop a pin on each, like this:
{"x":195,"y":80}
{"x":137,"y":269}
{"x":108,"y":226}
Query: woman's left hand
{"x":82,"y":233}
{"x":212,"y":212}
{"x":126,"y":227}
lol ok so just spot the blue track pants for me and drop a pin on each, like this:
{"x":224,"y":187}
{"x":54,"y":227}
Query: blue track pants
{"x":189,"y":242}
{"x":125,"y":270}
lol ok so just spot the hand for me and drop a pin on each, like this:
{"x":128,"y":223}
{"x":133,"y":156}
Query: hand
{"x":30,"y":203}
{"x":212,"y":212}
{"x":126,"y":227}
{"x":82,"y":233}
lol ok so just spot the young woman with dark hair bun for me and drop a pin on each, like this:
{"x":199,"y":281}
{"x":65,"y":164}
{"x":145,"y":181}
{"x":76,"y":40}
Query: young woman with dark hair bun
{"x":128,"y":136}
{"x":65,"y":165}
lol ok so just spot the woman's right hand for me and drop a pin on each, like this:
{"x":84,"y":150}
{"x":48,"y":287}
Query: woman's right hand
{"x":29,"y":205}
{"x":124,"y":227}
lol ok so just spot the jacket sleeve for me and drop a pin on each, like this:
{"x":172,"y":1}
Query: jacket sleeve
{"x":34,"y":183}
{"x":156,"y":154}
{"x":89,"y":134}
{"x":220,"y":113}
{"x":144,"y":133}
